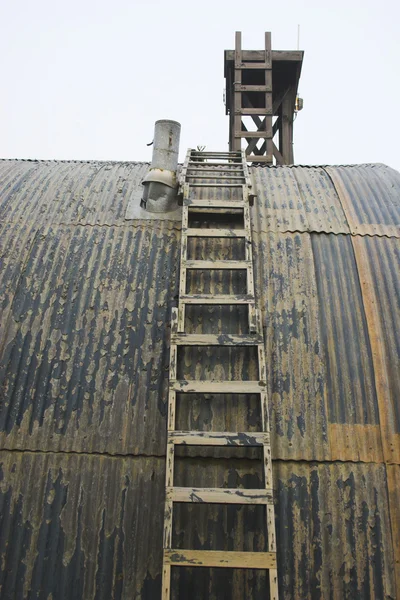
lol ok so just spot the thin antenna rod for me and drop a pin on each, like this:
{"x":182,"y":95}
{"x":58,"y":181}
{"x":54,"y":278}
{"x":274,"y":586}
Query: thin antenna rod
{"x":298,"y":37}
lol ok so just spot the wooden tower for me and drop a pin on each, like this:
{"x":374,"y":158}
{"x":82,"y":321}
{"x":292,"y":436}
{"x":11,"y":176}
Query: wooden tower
{"x":261,"y":91}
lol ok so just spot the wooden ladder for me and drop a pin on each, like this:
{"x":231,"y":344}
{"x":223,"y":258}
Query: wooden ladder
{"x":228,"y":170}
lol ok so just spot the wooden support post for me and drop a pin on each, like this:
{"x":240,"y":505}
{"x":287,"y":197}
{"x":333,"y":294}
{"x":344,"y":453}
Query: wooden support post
{"x":183,"y":270}
{"x":287,"y":130}
{"x":237,"y":142}
{"x":268,"y":95}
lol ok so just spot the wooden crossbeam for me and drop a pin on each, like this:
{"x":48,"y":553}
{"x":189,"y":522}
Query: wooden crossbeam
{"x":218,"y":387}
{"x":215,"y":339}
{"x":219,"y":495}
{"x":218,"y":264}
{"x":217,"y":299}
{"x":210,"y":204}
{"x":215,"y":558}
{"x":218,"y":438}
{"x":217,"y":233}
{"x":213,"y":185}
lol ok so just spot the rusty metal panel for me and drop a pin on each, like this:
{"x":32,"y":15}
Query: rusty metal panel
{"x":285,"y":276}
{"x":84,"y":365}
{"x":333,"y":530}
{"x":95,"y":193}
{"x":370,"y":196}
{"x":80,"y":526}
{"x":350,"y":384}
{"x":297,"y":199}
{"x":84,"y":368}
{"x":378,"y":263}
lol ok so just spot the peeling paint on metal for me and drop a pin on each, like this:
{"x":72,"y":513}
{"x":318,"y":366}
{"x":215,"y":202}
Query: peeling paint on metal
{"x":333,"y":530}
{"x":84,"y":365}
{"x":335,"y":517}
{"x":95,"y":193}
{"x":80,"y":526}
{"x":378,"y":263}
{"x":350,"y":382}
{"x":370,"y":196}
{"x":284,"y":268}
{"x":297,"y":199}
{"x":85,"y":301}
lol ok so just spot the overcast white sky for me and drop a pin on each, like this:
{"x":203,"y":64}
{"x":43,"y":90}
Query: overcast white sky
{"x":87,"y":79}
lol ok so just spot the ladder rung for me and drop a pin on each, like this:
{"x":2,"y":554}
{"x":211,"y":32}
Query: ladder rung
{"x":211,"y":185}
{"x":219,"y":438}
{"x":233,"y":169}
{"x":218,"y":264}
{"x":230,"y":177}
{"x":253,"y":111}
{"x":214,"y":163}
{"x":212,"y":339}
{"x":196,"y":386}
{"x":239,"y":87}
{"x":253,"y":65}
{"x":211,"y":157}
{"x":212,"y":299}
{"x":219,"y":495}
{"x":253,"y":134}
{"x":216,"y":558}
{"x":229,"y":233}
{"x":214,"y":204}
{"x":209,"y":210}
{"x":218,"y":154}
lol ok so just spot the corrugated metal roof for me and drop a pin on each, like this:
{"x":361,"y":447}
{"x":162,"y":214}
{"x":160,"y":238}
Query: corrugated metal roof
{"x":378,"y":262}
{"x":84,"y":365}
{"x":370,"y":198}
{"x":80,"y":526}
{"x":297,"y":199}
{"x":285,"y":277}
{"x":349,"y":369}
{"x":333,"y":528}
{"x":357,"y":199}
{"x":88,"y":526}
{"x":85,"y":303}
{"x":95,"y":193}
{"x":354,"y":430}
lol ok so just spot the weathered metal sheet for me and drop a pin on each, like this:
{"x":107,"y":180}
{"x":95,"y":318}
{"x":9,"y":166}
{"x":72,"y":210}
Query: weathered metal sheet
{"x":333,"y":530}
{"x":84,"y":365}
{"x":80,"y":526}
{"x":15,"y":244}
{"x":349,"y":374}
{"x":84,"y":333}
{"x":285,"y":276}
{"x":86,"y":526}
{"x":95,"y":193}
{"x":297,"y":199}
{"x":378,"y":263}
{"x":370,"y":196}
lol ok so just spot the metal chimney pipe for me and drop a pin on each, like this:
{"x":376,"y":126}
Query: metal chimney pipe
{"x":160,"y":183}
